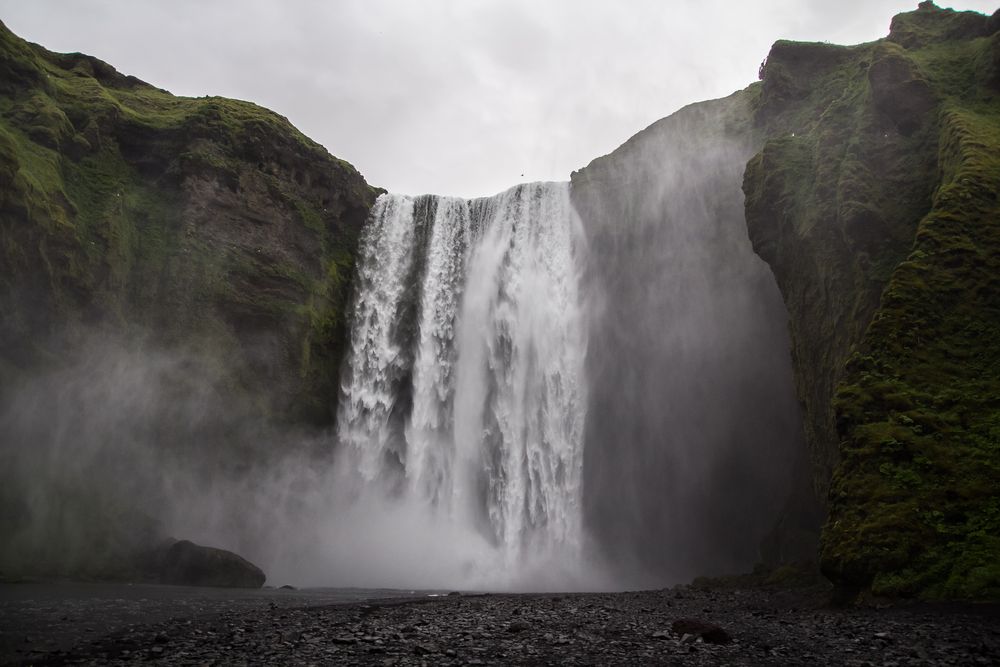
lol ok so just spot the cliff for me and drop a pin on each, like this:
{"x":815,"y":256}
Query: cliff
{"x":220,"y":241}
{"x":174,"y":276}
{"x":206,"y":224}
{"x":692,"y":429}
{"x":874,"y":199}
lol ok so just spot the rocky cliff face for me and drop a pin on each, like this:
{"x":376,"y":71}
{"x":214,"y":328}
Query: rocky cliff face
{"x":173,"y":281}
{"x":875,"y":201}
{"x":199,"y":223}
{"x":692,"y":424}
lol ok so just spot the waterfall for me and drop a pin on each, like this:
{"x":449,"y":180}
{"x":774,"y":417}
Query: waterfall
{"x":463,"y":391}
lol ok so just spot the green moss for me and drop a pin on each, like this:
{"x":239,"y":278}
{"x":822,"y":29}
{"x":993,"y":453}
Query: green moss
{"x":205,"y":223}
{"x":930,"y":25}
{"x":935,"y":340}
{"x":880,"y":224}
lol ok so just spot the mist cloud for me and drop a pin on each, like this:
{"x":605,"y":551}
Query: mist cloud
{"x":127,"y":444}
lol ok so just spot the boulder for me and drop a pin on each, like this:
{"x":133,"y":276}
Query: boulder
{"x":184,"y":563}
{"x":709,"y":632}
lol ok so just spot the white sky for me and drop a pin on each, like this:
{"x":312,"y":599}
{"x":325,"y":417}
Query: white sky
{"x":454,"y":97}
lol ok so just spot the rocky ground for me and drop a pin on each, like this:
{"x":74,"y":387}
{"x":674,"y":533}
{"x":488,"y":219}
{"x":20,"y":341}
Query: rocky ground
{"x":762,"y":628}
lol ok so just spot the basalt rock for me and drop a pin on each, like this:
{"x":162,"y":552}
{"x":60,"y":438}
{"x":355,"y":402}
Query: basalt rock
{"x":709,"y":632}
{"x":184,"y":563}
{"x":687,"y":360}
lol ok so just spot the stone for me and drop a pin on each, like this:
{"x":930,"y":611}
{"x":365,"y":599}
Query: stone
{"x":518,"y":626}
{"x":424,"y":649}
{"x":344,"y":639}
{"x":709,"y":632}
{"x":184,"y":563}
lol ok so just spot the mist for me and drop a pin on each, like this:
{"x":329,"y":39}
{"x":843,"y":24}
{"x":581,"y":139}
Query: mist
{"x":603,"y":407}
{"x":126,"y":443}
{"x":692,"y":425}
{"x":130,"y":443}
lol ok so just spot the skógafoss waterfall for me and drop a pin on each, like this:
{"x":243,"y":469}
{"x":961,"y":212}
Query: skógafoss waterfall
{"x":464,"y":391}
{"x":576,"y":385}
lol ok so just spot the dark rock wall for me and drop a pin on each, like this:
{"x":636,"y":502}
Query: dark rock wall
{"x":692,"y":425}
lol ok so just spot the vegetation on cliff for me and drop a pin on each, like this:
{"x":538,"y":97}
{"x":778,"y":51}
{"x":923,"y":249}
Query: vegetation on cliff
{"x":174,"y":276}
{"x":208,"y":224}
{"x":875,"y":201}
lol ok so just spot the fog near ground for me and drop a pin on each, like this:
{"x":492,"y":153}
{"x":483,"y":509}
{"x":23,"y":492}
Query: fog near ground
{"x":128,"y":444}
{"x":693,"y":427}
{"x":117,"y":447}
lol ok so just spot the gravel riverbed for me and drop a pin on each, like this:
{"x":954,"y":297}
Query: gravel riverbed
{"x":762,"y":628}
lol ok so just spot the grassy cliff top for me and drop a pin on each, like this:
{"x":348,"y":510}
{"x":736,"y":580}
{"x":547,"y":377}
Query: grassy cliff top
{"x":199,"y":219}
{"x":93,"y":88}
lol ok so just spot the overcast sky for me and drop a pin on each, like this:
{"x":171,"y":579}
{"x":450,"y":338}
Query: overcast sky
{"x":457,"y":97}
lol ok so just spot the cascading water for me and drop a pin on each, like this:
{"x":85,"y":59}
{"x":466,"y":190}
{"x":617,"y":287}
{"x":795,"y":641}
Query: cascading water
{"x":464,"y":392}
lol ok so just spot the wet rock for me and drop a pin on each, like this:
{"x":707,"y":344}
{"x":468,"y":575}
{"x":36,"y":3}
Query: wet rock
{"x":184,"y":563}
{"x":424,"y":649}
{"x":344,"y":639}
{"x":711,"y":633}
{"x":518,"y":626}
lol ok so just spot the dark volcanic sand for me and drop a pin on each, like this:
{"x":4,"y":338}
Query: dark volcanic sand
{"x":592,"y":628}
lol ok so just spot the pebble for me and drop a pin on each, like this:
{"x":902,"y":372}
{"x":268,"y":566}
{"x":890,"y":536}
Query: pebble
{"x":569,"y":629}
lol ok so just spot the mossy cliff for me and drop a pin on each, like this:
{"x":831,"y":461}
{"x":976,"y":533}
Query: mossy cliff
{"x":876,"y":201}
{"x":206,"y":224}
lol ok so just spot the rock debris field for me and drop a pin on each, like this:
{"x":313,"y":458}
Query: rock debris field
{"x":678,"y":626}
